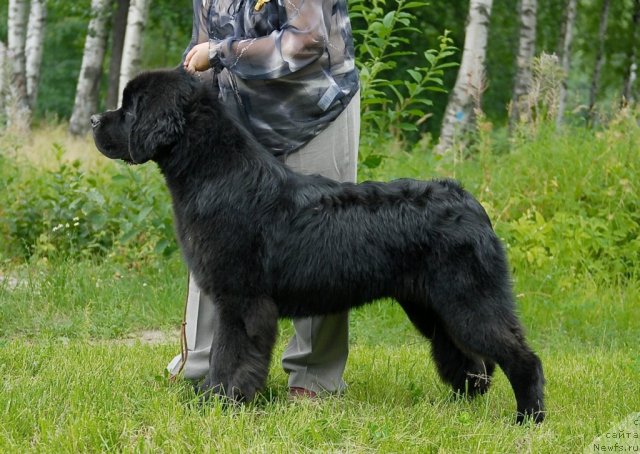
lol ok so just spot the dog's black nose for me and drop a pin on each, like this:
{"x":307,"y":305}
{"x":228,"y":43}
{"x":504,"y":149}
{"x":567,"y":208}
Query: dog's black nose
{"x":95,"y":120}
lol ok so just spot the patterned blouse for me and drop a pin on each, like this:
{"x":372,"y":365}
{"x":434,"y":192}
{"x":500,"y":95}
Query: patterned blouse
{"x":284,"y":67}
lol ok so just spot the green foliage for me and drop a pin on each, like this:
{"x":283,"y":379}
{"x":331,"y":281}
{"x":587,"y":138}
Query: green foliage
{"x":583,"y":212}
{"x":71,"y":212}
{"x":167,"y":35}
{"x":619,"y":42}
{"x":65,"y":33}
{"x":394,"y":106}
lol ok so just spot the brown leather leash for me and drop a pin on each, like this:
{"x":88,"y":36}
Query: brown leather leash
{"x":184,"y":350}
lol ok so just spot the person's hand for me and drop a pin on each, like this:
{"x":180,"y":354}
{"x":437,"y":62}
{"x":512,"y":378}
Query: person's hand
{"x":198,"y":58}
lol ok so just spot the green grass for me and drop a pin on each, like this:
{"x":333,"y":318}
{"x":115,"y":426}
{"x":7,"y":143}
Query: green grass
{"x":106,"y":396}
{"x":91,"y":300}
{"x":77,"y":374}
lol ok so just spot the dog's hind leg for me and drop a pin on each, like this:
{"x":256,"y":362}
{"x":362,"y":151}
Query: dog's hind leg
{"x":244,"y":334}
{"x":467,"y":375}
{"x":498,"y":337}
{"x":480,"y":317}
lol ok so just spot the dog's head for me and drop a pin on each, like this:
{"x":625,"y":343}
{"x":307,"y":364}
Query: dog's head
{"x":151,"y":119}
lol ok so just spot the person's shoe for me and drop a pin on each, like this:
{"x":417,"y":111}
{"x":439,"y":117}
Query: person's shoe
{"x":301,"y":393}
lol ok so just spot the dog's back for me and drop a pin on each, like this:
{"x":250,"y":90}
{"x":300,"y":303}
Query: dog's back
{"x":373,"y":236}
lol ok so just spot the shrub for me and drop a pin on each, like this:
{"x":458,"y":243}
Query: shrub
{"x":392,"y":108}
{"x":577,"y":206}
{"x":70,"y":212}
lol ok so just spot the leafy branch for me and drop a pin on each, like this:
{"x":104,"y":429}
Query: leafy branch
{"x":393,"y":107}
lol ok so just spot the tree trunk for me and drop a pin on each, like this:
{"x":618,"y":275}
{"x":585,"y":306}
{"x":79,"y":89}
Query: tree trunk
{"x":3,"y":80}
{"x":632,"y":71}
{"x":86,"y":101}
{"x":470,"y":83}
{"x":520,"y":109}
{"x":138,"y":11}
{"x":33,"y":48}
{"x":118,"y":29}
{"x":565,"y":57}
{"x":17,"y":106}
{"x":597,"y":69}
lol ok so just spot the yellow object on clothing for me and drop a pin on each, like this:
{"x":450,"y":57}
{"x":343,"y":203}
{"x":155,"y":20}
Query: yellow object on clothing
{"x":260,"y":4}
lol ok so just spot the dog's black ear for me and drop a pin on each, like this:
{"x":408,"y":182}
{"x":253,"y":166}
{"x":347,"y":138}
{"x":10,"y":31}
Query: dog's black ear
{"x":158,"y":121}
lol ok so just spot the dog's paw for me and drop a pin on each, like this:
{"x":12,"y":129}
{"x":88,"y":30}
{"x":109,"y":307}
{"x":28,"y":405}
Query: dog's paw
{"x":227,"y":395}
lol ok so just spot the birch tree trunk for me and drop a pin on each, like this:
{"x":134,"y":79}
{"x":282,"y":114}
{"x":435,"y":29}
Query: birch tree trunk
{"x":470,"y":83}
{"x":16,"y":103}
{"x":118,"y":30}
{"x":132,"y":51}
{"x":86,"y":100}
{"x":565,"y":58}
{"x":597,"y":69}
{"x":520,"y":109}
{"x":3,"y":80}
{"x":33,"y":48}
{"x":632,"y":71}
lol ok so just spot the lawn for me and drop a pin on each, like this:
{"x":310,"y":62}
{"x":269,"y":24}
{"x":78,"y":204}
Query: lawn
{"x":85,"y":332}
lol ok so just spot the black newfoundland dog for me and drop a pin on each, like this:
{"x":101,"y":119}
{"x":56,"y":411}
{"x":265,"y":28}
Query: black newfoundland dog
{"x":269,"y":243}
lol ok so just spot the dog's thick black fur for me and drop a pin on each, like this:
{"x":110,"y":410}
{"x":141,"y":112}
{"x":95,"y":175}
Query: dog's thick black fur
{"x":269,"y":243}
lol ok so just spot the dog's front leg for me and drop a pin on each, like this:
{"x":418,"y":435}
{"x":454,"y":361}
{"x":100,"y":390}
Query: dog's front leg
{"x":244,"y":335}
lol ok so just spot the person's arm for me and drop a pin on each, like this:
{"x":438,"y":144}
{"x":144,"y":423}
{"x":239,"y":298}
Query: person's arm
{"x":199,"y":29}
{"x":299,"y":42}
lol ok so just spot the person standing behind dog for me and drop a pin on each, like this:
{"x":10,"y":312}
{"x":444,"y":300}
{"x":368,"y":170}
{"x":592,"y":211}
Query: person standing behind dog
{"x":286,"y":70}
